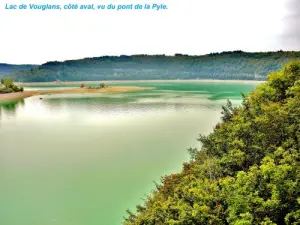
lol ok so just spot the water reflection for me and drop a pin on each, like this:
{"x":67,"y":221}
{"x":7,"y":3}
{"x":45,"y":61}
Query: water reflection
{"x":10,"y":108}
{"x":128,"y":105}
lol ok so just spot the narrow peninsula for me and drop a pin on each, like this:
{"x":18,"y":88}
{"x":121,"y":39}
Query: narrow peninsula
{"x":21,"y":93}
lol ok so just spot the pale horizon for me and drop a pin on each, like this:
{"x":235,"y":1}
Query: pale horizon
{"x":198,"y":27}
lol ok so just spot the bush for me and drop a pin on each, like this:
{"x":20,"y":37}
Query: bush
{"x":2,"y":88}
{"x":7,"y":86}
{"x":9,"y":90}
{"x":15,"y":88}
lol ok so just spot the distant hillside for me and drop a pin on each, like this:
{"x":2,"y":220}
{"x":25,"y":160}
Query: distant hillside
{"x":226,"y":65}
{"x":6,"y":69}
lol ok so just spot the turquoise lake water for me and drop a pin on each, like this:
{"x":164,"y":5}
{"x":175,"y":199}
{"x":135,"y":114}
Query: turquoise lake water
{"x":83,"y":159}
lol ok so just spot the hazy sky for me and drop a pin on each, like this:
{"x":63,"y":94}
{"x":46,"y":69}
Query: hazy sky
{"x":189,"y":27}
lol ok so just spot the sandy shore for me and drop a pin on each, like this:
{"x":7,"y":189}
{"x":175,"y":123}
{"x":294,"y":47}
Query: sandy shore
{"x":26,"y":94}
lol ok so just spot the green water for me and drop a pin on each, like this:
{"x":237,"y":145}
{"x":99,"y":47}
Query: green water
{"x":84,"y":159}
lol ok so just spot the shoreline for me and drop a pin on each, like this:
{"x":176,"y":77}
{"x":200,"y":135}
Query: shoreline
{"x":27,"y":94}
{"x":135,"y":81}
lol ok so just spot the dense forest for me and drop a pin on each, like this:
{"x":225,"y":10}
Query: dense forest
{"x":6,"y":69}
{"x":226,"y":65}
{"x":247,"y":170}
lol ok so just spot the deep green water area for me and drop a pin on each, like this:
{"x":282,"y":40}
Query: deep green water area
{"x":83,"y":159}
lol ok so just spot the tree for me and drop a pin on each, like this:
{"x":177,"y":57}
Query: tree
{"x":8,"y":82}
{"x":247,"y":170}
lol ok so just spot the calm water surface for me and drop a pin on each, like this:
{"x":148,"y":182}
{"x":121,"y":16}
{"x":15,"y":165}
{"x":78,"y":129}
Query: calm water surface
{"x":84,"y":159}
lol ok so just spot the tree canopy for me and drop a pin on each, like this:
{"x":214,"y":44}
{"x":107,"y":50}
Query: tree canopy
{"x":247,"y":170}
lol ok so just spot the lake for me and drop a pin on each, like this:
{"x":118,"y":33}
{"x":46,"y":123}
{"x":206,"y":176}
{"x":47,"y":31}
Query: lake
{"x":83,"y":159}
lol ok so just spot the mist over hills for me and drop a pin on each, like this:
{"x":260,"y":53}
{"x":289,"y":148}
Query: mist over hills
{"x":237,"y":65}
{"x":6,"y":69}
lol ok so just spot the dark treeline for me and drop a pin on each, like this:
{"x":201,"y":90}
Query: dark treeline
{"x":236,"y":65}
{"x":247,"y":170}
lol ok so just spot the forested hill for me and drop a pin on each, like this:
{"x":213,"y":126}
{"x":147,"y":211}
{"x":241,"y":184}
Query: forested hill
{"x":6,"y":69}
{"x":226,"y":65}
{"x":247,"y":170}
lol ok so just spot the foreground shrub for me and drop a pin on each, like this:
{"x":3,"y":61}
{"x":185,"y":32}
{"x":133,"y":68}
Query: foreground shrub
{"x":247,"y":171}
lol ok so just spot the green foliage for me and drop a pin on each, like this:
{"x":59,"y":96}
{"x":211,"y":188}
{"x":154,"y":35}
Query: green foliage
{"x":8,"y":82}
{"x":16,"y":88}
{"x":2,"y":87}
{"x":8,"y":86}
{"x":236,"y":65}
{"x":8,"y":90}
{"x":247,"y":170}
{"x":102,"y":85}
